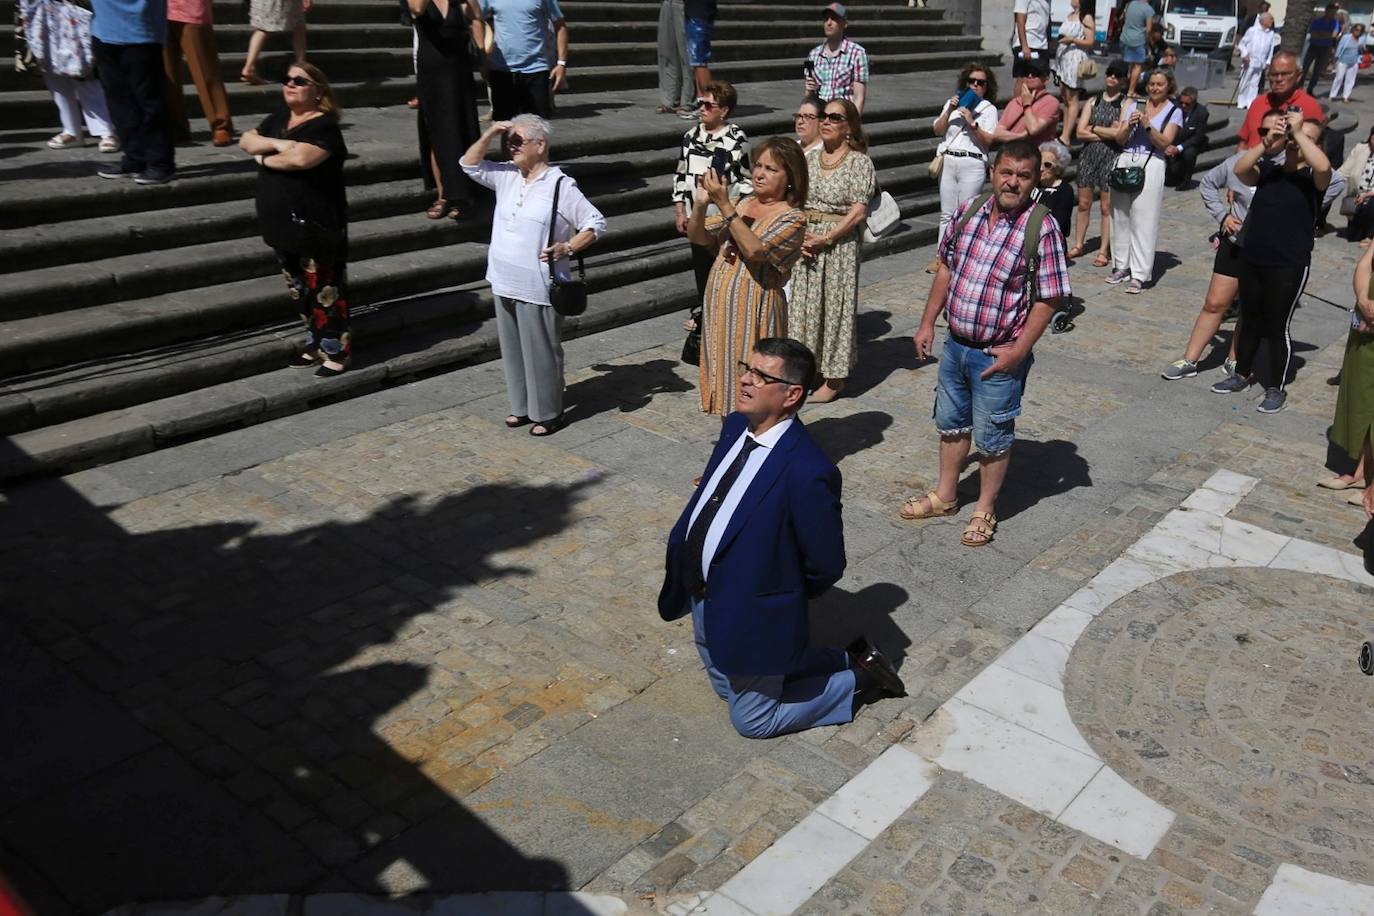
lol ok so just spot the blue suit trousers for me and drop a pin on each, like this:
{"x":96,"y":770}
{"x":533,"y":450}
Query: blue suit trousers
{"x":819,"y":692}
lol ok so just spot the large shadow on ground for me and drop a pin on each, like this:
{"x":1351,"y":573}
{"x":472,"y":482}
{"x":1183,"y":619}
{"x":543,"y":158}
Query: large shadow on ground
{"x":625,"y":387}
{"x":1039,"y":470}
{"x":186,"y":715}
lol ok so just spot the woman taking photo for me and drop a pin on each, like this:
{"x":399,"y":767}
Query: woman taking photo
{"x":1144,"y":132}
{"x":1077,"y":36}
{"x":967,"y":134}
{"x":1358,"y":172}
{"x":303,"y":211}
{"x":448,"y":98}
{"x":825,"y":285}
{"x":807,"y":122}
{"x":759,"y":239}
{"x":1277,"y":250}
{"x":518,"y":259}
{"x":1096,"y":128}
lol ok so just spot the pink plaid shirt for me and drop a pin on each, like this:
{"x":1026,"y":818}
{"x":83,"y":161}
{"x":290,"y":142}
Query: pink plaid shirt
{"x":987,"y":301}
{"x":837,"y":73}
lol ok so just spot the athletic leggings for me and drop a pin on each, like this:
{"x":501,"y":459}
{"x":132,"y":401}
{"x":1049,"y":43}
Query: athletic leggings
{"x":1268,"y":297}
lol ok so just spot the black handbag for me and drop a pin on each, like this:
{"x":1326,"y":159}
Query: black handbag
{"x":1349,"y":203}
{"x":691,"y":347}
{"x":568,"y":297}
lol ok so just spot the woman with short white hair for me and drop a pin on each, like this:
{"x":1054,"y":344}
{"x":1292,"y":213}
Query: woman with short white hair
{"x":518,"y":261}
{"x":1057,"y":194}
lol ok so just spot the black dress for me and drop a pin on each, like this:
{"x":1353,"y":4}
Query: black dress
{"x":448,"y":98}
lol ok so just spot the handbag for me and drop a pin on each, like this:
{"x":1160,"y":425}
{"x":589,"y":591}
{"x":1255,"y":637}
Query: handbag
{"x":883,"y":216}
{"x":1087,"y":68}
{"x":568,"y":297}
{"x":1126,"y":178}
{"x":691,"y":347}
{"x":935,"y":166}
{"x":58,"y":34}
{"x":1348,"y":204}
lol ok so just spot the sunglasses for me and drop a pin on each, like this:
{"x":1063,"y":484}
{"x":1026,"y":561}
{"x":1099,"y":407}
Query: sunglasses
{"x":760,"y":377}
{"x":707,"y":106}
{"x":1273,"y":132}
{"x":835,"y":117}
{"x":515,"y":141}
{"x":299,"y":82}
{"x":975,"y":81}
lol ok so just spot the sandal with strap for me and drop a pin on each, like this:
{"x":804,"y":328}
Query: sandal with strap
{"x":1101,"y":261}
{"x":912,"y":511}
{"x":438,"y":209}
{"x":981,"y":527}
{"x":514,"y":422}
{"x":548,"y":427}
{"x":1074,"y":253}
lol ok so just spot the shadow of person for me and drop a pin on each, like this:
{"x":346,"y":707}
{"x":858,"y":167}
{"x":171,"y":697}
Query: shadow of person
{"x":1038,"y":471}
{"x":627,"y":387}
{"x":1165,"y":261}
{"x":200,"y":710}
{"x":840,"y":437}
{"x":839,"y":617}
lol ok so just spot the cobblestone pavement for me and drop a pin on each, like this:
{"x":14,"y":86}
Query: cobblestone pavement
{"x":390,"y":646}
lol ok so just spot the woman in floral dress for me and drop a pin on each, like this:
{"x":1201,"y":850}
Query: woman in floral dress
{"x":825,"y":287}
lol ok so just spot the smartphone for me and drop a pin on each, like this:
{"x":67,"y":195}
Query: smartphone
{"x":809,"y":67}
{"x":969,"y":99}
{"x":720,"y":162}
{"x":1288,"y":128}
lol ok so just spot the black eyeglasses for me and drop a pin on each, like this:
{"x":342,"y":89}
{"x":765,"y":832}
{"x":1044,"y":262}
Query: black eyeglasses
{"x":704,"y":104}
{"x":760,"y":377}
{"x":835,"y":117}
{"x":975,"y":81}
{"x":299,"y":82}
{"x":803,"y":116}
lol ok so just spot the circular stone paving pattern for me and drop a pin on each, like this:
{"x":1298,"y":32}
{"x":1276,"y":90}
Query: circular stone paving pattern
{"x":1234,"y":695}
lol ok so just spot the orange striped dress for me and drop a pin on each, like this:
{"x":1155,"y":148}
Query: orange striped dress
{"x":745,"y":302}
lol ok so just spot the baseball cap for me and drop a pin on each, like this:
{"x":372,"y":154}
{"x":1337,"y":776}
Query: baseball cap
{"x":839,"y":10}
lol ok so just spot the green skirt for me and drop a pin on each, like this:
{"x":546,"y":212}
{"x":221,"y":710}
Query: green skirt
{"x":1355,"y":402}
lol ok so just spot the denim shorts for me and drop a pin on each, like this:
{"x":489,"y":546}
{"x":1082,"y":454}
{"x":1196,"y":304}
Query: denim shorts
{"x":967,"y":403}
{"x":1132,"y":55}
{"x":699,"y":41}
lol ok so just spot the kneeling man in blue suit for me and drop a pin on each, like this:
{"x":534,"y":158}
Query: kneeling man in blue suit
{"x":761,"y":537}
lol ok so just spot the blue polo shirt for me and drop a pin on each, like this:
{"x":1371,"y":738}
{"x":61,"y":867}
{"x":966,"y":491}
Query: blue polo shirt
{"x":521,"y":30}
{"x":1319,"y":32}
{"x":129,"y":22}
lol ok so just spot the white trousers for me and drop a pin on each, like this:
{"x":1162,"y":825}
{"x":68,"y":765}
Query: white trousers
{"x":1135,"y":222}
{"x":77,"y":99}
{"x":1344,"y":80}
{"x":1249,"y":86}
{"x":961,"y":179}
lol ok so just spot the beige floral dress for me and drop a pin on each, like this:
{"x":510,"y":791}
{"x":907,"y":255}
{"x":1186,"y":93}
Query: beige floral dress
{"x":825,"y":289}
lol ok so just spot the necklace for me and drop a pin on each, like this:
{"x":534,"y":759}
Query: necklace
{"x":835,"y":163}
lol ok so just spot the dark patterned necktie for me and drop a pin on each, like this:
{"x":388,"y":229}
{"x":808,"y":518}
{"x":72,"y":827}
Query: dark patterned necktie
{"x":696,"y":538}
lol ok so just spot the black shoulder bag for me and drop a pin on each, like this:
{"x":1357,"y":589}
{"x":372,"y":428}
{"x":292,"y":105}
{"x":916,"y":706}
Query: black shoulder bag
{"x":568,"y":297}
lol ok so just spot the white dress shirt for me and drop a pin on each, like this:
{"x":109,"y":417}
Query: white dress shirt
{"x":730,"y":503}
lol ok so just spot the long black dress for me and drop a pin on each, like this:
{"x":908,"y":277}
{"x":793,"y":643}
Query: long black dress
{"x":448,"y":98}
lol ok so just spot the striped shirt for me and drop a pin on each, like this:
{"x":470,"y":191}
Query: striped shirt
{"x":986,"y":301}
{"x":698,"y":147}
{"x":837,"y":73}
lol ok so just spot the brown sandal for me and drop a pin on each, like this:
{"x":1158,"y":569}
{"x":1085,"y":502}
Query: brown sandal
{"x":981,"y":527}
{"x":1102,"y":261}
{"x":1074,"y":253}
{"x":438,"y":209}
{"x":912,"y":511}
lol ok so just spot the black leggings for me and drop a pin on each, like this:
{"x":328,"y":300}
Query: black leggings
{"x":1268,"y":297}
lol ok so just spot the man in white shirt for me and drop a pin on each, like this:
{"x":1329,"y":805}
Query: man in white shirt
{"x":1030,"y":37}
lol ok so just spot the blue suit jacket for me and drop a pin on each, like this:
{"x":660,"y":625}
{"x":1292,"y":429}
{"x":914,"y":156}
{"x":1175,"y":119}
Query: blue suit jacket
{"x":784,"y":545}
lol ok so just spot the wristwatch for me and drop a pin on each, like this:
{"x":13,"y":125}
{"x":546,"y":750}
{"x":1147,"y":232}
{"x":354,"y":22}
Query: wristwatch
{"x":562,"y":63}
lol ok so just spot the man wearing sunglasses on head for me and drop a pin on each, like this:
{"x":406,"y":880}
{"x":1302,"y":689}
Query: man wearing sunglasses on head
{"x":761,"y":537}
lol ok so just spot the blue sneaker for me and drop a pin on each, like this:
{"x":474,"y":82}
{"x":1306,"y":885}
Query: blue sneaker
{"x":1273,"y":402}
{"x":1232,"y":384}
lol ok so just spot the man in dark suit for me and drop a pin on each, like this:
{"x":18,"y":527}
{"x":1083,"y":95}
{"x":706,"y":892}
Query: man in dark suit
{"x":1181,"y":158}
{"x":761,"y":537}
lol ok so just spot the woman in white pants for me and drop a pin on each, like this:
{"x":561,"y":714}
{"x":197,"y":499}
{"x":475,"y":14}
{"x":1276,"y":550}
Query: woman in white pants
{"x":1256,"y":49}
{"x":1347,"y":63}
{"x":67,"y":73}
{"x":1144,"y":132}
{"x":967,"y":136}
{"x":80,"y":102}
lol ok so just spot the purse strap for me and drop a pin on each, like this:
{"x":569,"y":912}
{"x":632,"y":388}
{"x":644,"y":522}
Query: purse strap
{"x":553,"y":224}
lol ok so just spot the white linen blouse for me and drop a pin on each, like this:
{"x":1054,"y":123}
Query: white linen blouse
{"x":960,"y":136}
{"x":520,"y":227}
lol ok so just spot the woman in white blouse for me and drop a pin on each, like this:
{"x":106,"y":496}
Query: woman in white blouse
{"x":517,"y":263}
{"x":967,"y":132}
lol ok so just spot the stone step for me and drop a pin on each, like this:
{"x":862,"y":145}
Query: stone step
{"x":34,"y":108}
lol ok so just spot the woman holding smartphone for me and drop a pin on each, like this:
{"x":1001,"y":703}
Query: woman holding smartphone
{"x":967,"y":123}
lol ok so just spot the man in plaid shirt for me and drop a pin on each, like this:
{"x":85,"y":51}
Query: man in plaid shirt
{"x":837,"y":68}
{"x":994,"y":321}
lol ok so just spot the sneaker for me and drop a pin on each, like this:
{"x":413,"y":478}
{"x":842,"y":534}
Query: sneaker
{"x":117,"y":171}
{"x":1273,"y":400}
{"x":1228,"y":366}
{"x":1117,"y":276}
{"x":65,"y":141}
{"x":1135,"y":287}
{"x":1179,"y":368}
{"x":1231,"y":385}
{"x":155,"y":176}
{"x":109,"y":144}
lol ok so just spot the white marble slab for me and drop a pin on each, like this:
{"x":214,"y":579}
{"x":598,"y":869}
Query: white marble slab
{"x":1305,"y":556}
{"x":786,"y":874}
{"x":1064,"y":625}
{"x":1026,"y":702}
{"x":1036,"y":771}
{"x":872,"y":800}
{"x":1211,"y":501}
{"x":1249,"y":545}
{"x":1298,"y":892}
{"x":1121,"y":577}
{"x":1237,"y":485}
{"x":1114,"y":811}
{"x":721,"y":905}
{"x":1038,"y":658}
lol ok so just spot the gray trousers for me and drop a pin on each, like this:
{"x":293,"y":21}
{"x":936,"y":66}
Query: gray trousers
{"x":531,"y":357}
{"x":676,"y":85}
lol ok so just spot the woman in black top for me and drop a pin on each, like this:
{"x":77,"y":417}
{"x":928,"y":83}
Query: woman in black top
{"x":1053,"y":189}
{"x":1276,"y":246}
{"x":302,"y":210}
{"x":448,"y":98}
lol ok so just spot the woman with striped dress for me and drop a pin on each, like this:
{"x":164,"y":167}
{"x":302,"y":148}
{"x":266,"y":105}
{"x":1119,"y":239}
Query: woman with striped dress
{"x":760,"y":239}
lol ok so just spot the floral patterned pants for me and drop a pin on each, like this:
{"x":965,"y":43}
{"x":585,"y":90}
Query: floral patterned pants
{"x":319,"y":289}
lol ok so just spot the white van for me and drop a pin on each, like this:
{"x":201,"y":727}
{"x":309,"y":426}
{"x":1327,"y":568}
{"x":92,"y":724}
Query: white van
{"x":1201,"y":26}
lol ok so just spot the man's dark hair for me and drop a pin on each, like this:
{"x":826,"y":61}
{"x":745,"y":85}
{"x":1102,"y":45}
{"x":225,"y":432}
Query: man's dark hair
{"x":798,"y":362}
{"x":1189,"y":91}
{"x":1019,"y":150}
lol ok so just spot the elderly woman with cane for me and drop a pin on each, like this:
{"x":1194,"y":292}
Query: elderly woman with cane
{"x":531,"y":195}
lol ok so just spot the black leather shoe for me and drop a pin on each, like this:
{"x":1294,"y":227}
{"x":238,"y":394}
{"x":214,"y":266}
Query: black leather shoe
{"x":868,"y":659}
